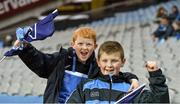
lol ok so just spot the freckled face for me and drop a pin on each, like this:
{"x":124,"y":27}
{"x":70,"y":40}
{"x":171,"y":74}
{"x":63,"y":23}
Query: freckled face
{"x":84,"y":48}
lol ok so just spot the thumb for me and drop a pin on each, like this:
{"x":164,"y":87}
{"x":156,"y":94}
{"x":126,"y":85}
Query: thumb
{"x":17,"y":43}
{"x":131,"y":88}
{"x":134,"y":84}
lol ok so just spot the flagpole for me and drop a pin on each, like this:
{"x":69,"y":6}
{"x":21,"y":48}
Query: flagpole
{"x":56,"y":10}
{"x":2,"y":58}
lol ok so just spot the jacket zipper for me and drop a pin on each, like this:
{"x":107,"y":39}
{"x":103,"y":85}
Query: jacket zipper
{"x":110,"y":87}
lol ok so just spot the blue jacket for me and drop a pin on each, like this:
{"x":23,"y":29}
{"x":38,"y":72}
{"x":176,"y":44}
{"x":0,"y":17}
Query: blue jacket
{"x":106,"y":89}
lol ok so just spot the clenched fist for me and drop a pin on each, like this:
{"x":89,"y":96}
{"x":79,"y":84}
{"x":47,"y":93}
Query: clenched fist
{"x":151,"y":66}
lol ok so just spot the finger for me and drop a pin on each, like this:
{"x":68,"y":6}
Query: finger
{"x":131,"y":88}
{"x":16,"y":43}
{"x":149,"y":67}
{"x":149,"y":64}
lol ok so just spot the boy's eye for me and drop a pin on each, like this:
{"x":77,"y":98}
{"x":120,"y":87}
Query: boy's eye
{"x":114,"y":61}
{"x":80,"y":44}
{"x":89,"y":44}
{"x":104,"y":61}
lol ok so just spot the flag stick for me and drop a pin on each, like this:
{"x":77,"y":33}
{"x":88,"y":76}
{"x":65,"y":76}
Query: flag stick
{"x":2,"y":58}
{"x":55,"y":10}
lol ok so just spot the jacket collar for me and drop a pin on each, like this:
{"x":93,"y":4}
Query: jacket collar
{"x":115,"y":78}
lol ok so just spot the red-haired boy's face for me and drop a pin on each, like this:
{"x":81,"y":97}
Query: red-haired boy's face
{"x":84,"y":48}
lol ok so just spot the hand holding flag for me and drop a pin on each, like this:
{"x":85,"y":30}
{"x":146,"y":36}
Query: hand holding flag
{"x":131,"y":96}
{"x":18,"y":45}
{"x":39,"y":31}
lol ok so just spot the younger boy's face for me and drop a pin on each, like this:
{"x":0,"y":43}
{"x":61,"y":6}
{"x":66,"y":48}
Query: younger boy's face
{"x":84,"y":48}
{"x":110,"y":63}
{"x":164,"y":21}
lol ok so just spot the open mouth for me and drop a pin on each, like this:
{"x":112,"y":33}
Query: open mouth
{"x":84,"y":53}
{"x":109,"y":70}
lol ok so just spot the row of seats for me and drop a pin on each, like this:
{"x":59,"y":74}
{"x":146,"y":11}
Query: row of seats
{"x":132,"y":29}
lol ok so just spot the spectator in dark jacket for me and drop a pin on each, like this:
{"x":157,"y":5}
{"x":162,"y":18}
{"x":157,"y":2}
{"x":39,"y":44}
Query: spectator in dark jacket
{"x":160,"y":12}
{"x":176,"y":26}
{"x":66,"y":68}
{"x":174,"y":13}
{"x":164,"y":30}
{"x":110,"y":85}
{"x":175,"y":19}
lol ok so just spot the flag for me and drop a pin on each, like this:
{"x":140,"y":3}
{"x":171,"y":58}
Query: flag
{"x":38,"y":31}
{"x":131,"y":96}
{"x":42,"y":29}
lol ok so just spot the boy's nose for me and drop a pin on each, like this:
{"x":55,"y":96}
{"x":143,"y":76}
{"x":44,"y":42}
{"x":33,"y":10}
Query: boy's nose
{"x":109,"y":64}
{"x":84,"y":46}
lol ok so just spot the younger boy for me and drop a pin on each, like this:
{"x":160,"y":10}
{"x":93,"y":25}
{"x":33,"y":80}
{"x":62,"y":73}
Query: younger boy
{"x":66,"y":68}
{"x":110,"y":85}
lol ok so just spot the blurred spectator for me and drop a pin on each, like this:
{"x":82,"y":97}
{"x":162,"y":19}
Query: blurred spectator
{"x":1,"y":43}
{"x":174,"y":13}
{"x":176,"y":26}
{"x":164,"y":30}
{"x":175,"y":21}
{"x":178,"y":17}
{"x":160,"y":12}
{"x":8,"y":41}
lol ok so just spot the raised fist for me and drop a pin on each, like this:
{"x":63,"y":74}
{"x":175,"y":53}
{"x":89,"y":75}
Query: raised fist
{"x":151,"y":66}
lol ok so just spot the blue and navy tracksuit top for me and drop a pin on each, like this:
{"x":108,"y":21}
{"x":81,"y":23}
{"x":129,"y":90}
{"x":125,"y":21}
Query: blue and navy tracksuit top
{"x":107,"y":90}
{"x":104,"y":89}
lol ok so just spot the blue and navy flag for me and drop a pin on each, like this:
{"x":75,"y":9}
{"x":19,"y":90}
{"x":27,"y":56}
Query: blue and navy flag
{"x":131,"y":96}
{"x":38,"y":31}
{"x":42,"y":29}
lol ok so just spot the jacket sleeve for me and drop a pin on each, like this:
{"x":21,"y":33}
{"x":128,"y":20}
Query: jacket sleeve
{"x":40,"y":63}
{"x":129,"y":76}
{"x":169,"y":32}
{"x":158,"y":92}
{"x":156,"y":32}
{"x":78,"y":95}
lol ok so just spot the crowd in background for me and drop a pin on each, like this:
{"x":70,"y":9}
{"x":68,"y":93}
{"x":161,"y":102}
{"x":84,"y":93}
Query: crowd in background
{"x":7,"y":42}
{"x":169,"y":24}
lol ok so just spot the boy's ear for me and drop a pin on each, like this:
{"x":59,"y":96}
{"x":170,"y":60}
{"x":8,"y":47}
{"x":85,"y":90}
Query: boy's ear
{"x":96,"y":45}
{"x":97,"y":62}
{"x":72,"y":43}
{"x":123,"y":62}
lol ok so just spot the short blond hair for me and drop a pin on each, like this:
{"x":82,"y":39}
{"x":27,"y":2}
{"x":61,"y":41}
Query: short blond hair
{"x":85,"y":32}
{"x":111,"y":47}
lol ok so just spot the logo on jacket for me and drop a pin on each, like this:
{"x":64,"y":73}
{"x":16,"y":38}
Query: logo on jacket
{"x":94,"y":94}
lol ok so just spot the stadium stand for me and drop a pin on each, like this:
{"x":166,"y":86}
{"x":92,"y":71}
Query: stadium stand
{"x":132,"y":29}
